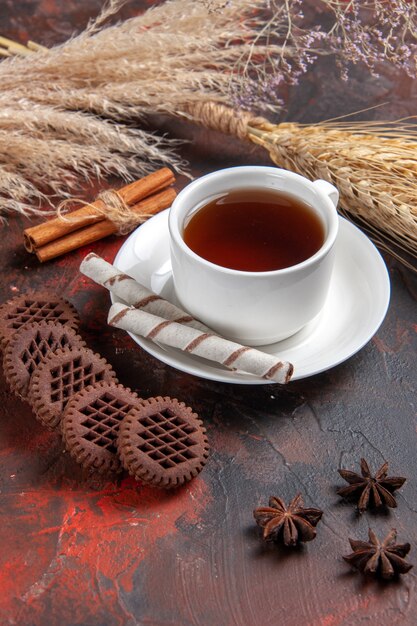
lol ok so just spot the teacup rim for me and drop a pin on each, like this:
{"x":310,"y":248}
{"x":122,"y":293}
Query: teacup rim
{"x":175,"y":234}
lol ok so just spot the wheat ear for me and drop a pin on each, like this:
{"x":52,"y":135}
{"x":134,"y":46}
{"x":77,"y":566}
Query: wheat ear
{"x":373,"y":164}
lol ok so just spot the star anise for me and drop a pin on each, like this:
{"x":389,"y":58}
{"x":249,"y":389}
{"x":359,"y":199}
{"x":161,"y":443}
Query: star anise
{"x":290,"y":524}
{"x":371,"y":490}
{"x":384,"y":559}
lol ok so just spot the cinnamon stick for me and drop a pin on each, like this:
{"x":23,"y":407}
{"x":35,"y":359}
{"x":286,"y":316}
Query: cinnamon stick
{"x":42,"y":234}
{"x":89,"y":234}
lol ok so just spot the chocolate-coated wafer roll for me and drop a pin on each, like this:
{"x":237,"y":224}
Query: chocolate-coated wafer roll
{"x":133,"y":293}
{"x":209,"y":346}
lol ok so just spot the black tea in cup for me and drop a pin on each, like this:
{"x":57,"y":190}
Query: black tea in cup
{"x":255,"y":230}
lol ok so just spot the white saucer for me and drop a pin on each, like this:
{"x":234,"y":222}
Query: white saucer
{"x":356,"y":305}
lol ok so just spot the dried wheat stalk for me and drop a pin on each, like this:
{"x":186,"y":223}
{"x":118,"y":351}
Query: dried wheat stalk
{"x":66,"y":113}
{"x":373,"y":165}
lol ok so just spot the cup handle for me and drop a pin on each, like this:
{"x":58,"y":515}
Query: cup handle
{"x":328,"y":189}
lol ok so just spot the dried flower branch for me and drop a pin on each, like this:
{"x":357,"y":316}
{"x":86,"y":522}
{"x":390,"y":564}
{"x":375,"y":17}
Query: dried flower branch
{"x":374,"y":31}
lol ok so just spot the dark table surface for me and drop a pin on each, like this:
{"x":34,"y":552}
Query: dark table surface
{"x":76,"y":549}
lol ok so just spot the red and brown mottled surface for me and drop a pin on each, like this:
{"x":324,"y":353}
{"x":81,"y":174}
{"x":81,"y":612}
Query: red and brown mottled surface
{"x":78,"y":551}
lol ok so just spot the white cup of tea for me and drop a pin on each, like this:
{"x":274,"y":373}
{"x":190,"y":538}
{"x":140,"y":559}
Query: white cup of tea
{"x":242,"y":257}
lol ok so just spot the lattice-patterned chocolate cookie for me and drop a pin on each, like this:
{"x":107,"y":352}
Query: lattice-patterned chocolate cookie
{"x":91,"y":421}
{"x":34,"y":307}
{"x":29,"y":346}
{"x":60,"y":376}
{"x":163,"y":443}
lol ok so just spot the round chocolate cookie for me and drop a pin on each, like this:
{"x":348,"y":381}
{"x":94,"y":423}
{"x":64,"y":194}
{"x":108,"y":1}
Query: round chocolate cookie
{"x":29,"y":346}
{"x":163,"y":443}
{"x":61,"y":375}
{"x":90,"y":425}
{"x":34,"y":307}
